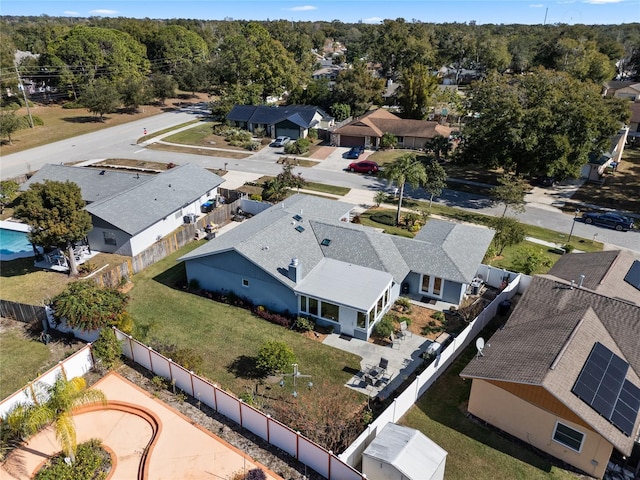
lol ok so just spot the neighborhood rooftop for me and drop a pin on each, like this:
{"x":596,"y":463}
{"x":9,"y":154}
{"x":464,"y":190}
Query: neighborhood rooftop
{"x":301,"y":115}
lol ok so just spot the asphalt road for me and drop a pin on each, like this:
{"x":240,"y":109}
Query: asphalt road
{"x":120,"y":142}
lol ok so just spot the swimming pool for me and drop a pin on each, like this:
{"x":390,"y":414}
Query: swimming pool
{"x":14,"y":244}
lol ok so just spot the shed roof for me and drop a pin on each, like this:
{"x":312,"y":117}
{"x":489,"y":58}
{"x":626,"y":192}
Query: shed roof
{"x":408,"y":450}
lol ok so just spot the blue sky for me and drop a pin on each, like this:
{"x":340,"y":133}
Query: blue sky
{"x":348,"y":11}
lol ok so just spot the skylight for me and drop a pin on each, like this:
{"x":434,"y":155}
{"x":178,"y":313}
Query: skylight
{"x":297,"y":218}
{"x":326,"y":242}
{"x":300,"y":228}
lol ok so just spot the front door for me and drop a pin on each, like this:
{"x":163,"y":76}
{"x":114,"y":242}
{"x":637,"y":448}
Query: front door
{"x":432,"y":286}
{"x":348,"y":321}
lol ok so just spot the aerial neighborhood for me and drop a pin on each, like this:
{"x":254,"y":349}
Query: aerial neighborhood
{"x":319,"y":249}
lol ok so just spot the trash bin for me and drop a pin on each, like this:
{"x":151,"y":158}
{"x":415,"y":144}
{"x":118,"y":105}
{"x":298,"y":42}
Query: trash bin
{"x":503,"y":307}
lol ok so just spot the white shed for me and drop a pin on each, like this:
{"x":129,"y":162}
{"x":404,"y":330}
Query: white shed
{"x":402,"y":453}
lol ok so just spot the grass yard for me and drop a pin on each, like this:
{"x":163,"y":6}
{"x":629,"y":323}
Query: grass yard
{"x":21,"y":360}
{"x":325,"y":188}
{"x":513,"y":256}
{"x":474,"y":451}
{"x":228,"y":338}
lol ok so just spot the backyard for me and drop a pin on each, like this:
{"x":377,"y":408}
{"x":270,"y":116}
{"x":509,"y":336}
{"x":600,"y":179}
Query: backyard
{"x":474,"y":451}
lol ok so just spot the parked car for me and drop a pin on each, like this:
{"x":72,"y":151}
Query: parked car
{"x":546,"y":181}
{"x":364,"y":167}
{"x":611,"y":220}
{"x":280,"y":141}
{"x":354,"y":153}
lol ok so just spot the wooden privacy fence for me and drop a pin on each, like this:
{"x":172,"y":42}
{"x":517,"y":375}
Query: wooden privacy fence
{"x":272,"y":431}
{"x":165,"y":246}
{"x":22,"y":312}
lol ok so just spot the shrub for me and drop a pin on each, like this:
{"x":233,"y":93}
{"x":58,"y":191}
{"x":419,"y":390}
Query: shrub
{"x":388,"y":140}
{"x":73,"y":105}
{"x":274,"y":356}
{"x":384,"y":328}
{"x":385,"y":218}
{"x":252,"y":146}
{"x":298,"y":147}
{"x":356,"y":219}
{"x":303,"y":324}
{"x":259,"y":132}
{"x":124,"y":322}
{"x":86,"y":268}
{"x":194,"y":284}
{"x":568,"y":248}
{"x":185,"y":356}
{"x":272,"y":317}
{"x":92,"y":461}
{"x":256,"y":474}
{"x":160,"y":383}
{"x":313,"y":134}
{"x":439,"y":316}
{"x":405,"y":319}
{"x":403,"y":304}
{"x":257,"y":197}
{"x":107,"y":348}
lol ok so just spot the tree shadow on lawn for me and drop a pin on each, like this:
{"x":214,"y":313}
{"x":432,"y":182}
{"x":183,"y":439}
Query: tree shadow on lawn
{"x":85,"y":119}
{"x":245,"y":367}
{"x":18,"y":267}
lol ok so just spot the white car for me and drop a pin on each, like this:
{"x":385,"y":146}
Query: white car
{"x":280,"y":141}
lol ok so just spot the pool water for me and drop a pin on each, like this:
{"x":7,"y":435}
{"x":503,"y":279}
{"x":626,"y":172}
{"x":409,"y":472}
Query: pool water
{"x":14,"y":245}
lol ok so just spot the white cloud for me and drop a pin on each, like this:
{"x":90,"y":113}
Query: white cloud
{"x":303,"y":8}
{"x":536,"y":5}
{"x":602,"y":2}
{"x":103,"y":12}
{"x":69,"y":12}
{"x":372,"y":20}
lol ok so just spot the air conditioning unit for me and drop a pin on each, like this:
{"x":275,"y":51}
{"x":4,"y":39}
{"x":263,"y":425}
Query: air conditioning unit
{"x":189,"y":218}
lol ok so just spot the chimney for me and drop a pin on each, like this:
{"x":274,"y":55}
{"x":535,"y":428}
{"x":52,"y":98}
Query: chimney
{"x":572,"y":284}
{"x":295,"y":270}
{"x":581,"y":281}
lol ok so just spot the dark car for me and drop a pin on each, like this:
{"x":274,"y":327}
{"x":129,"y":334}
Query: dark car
{"x":611,"y":220}
{"x":364,"y":167}
{"x":354,"y":153}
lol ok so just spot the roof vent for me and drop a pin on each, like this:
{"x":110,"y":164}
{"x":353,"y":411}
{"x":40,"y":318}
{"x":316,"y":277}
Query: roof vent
{"x":102,"y":172}
{"x":573,"y":284}
{"x":581,"y":281}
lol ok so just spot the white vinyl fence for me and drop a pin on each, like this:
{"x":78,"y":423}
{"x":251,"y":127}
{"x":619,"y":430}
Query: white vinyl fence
{"x":309,"y":453}
{"x":401,"y":404}
{"x":75,"y":365}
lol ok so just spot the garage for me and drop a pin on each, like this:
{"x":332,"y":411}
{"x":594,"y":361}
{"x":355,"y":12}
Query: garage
{"x":349,"y":141}
{"x":287,"y":129}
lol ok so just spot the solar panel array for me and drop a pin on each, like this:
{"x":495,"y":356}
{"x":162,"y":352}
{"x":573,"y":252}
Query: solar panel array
{"x":602,"y":385}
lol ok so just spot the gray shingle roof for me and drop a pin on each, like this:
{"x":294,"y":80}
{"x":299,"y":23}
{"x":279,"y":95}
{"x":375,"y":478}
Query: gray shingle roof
{"x":301,"y":115}
{"x":603,"y":272}
{"x":270,"y":240}
{"x":143,"y":205}
{"x":548,"y":338}
{"x":94,"y":185}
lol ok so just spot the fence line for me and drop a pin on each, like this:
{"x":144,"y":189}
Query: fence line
{"x":22,"y":312}
{"x":403,"y":402}
{"x":75,"y":365}
{"x":272,"y":431}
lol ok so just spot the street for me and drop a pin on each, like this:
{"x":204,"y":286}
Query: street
{"x":121,"y":142}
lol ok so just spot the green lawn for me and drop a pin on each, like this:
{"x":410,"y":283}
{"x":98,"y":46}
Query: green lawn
{"x":147,"y":137}
{"x":21,"y":360}
{"x":474,"y":451}
{"x":512,"y":254}
{"x":194,"y":135}
{"x":228,"y":338}
{"x":324,"y":188}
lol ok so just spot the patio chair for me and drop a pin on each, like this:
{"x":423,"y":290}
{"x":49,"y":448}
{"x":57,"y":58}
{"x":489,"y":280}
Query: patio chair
{"x":404,"y":330}
{"x":394,"y":341}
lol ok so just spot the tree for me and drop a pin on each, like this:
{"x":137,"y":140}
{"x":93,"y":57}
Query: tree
{"x":508,"y":232}
{"x":163,"y":87}
{"x":101,"y":97}
{"x":134,"y":92}
{"x":274,"y":356}
{"x":380,"y":197}
{"x":546,"y":123}
{"x":87,"y":306}
{"x":341,"y":111}
{"x":436,"y":180}
{"x":55,"y":212}
{"x":9,"y":124}
{"x":417,"y":87}
{"x":8,"y":193}
{"x":287,"y":177}
{"x":532,"y":260}
{"x":173,"y":45}
{"x":510,"y":192}
{"x":275,"y":190}
{"x":406,"y":169}
{"x":358,"y":88}
{"x":54,"y":405}
{"x":439,"y":145}
{"x":388,"y":140}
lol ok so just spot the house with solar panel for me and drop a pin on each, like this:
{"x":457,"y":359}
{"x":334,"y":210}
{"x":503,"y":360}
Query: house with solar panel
{"x":303,"y":256}
{"x":563,"y":373}
{"x":293,"y":121}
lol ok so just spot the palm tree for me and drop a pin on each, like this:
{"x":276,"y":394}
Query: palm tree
{"x":406,"y":169}
{"x":54,"y":405}
{"x":275,"y":190}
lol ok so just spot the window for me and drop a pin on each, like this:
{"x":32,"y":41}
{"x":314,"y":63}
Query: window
{"x":313,"y":306}
{"x":362,"y":320}
{"x":245,"y":282}
{"x":432,"y":285}
{"x":568,"y":437}
{"x":437,"y":286}
{"x":303,"y":303}
{"x":426,"y":279}
{"x":109,"y":238}
{"x":330,"y":311}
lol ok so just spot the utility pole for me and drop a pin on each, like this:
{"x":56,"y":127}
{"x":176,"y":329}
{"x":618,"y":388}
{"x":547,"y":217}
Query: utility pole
{"x":24,"y":94}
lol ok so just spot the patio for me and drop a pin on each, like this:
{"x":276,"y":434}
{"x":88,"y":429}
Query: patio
{"x":404,"y":357}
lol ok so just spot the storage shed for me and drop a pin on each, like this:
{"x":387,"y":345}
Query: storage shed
{"x":402,"y":453}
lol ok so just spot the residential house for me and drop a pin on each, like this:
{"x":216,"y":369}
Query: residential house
{"x":293,"y":121}
{"x":303,"y":256}
{"x":131,"y":211}
{"x":402,"y":453}
{"x":368,"y":130}
{"x":563,"y":373}
{"x":622,"y":89}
